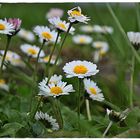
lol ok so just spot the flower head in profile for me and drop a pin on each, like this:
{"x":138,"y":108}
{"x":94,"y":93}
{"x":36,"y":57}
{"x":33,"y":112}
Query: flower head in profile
{"x":54,"y":12}
{"x":80,"y":69}
{"x":82,"y":39}
{"x":86,"y":28}
{"x":31,"y":50}
{"x":61,"y":25}
{"x":134,"y":38}
{"x":103,"y":29}
{"x":75,"y":15}
{"x":93,"y":90}
{"x":26,"y":35}
{"x":54,"y":88}
{"x":102,"y":48}
{"x":6,"y":27}
{"x":13,"y":58}
{"x":45,"y":33}
{"x":16,"y":22}
{"x":3,"y":85}
{"x":46,"y":60}
{"x":47,"y":120}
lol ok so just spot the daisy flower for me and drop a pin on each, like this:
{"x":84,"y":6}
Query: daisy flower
{"x":26,"y":35}
{"x":45,"y":33}
{"x":80,"y":69}
{"x":54,"y":88}
{"x":75,"y":15}
{"x":82,"y":39}
{"x":13,"y":58}
{"x":6,"y":27}
{"x":134,"y":38}
{"x":102,"y":29}
{"x":31,"y":50}
{"x":16,"y":22}
{"x":61,"y":25}
{"x":48,"y":121}
{"x":46,"y":59}
{"x":93,"y":90}
{"x":86,"y":28}
{"x":54,"y":12}
{"x":3,"y":85}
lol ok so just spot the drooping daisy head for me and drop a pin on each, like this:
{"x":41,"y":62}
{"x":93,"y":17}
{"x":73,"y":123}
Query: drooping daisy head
{"x":47,"y":120}
{"x":31,"y":50}
{"x":61,"y":25}
{"x":6,"y":27}
{"x":13,"y":58}
{"x":45,"y":33}
{"x":52,"y":61}
{"x":82,"y":39}
{"x":86,"y":28}
{"x":26,"y":35}
{"x":100,"y":45}
{"x":16,"y":22}
{"x":54,"y":12}
{"x":80,"y":69}
{"x":103,"y":29}
{"x":75,"y":15}
{"x":134,"y":38}
{"x":3,"y":85}
{"x":54,"y":88}
{"x":93,"y":90}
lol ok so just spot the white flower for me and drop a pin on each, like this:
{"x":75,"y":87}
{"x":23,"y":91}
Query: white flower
{"x":44,"y":116}
{"x":82,"y":39}
{"x":13,"y":58}
{"x":55,"y":88}
{"x":75,"y":15}
{"x":46,"y":59}
{"x":45,"y":33}
{"x":80,"y":69}
{"x":86,"y":28}
{"x":31,"y":51}
{"x":3,"y":85}
{"x":6,"y":28}
{"x":54,"y":12}
{"x":134,"y":37}
{"x":102,"y":48}
{"x":102,"y":29}
{"x":61,"y":25}
{"x":26,"y":35}
{"x":93,"y":90}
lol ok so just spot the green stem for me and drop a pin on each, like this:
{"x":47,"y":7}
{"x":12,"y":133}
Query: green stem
{"x":107,"y":129}
{"x":132,"y":81}
{"x":5,"y":52}
{"x":88,"y":110}
{"x":111,"y":105}
{"x":50,"y":57}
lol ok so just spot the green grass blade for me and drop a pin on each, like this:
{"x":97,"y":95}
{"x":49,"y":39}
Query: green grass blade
{"x":122,"y":32}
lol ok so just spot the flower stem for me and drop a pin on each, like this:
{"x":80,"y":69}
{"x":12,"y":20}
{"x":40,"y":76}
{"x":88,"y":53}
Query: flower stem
{"x":48,"y":64}
{"x":5,"y":52}
{"x":132,"y":81}
{"x":88,"y":110}
{"x":107,"y":129}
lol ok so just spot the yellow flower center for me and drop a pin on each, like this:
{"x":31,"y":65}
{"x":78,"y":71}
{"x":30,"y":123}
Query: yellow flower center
{"x":46,"y":59}
{"x":56,"y":90}
{"x":102,"y":53}
{"x":62,"y":25}
{"x":92,"y":90}
{"x":47,"y":35}
{"x":75,"y":13}
{"x":32,"y":51}
{"x":2,"y":27}
{"x":2,"y":81}
{"x":82,"y":40}
{"x":80,"y":69}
